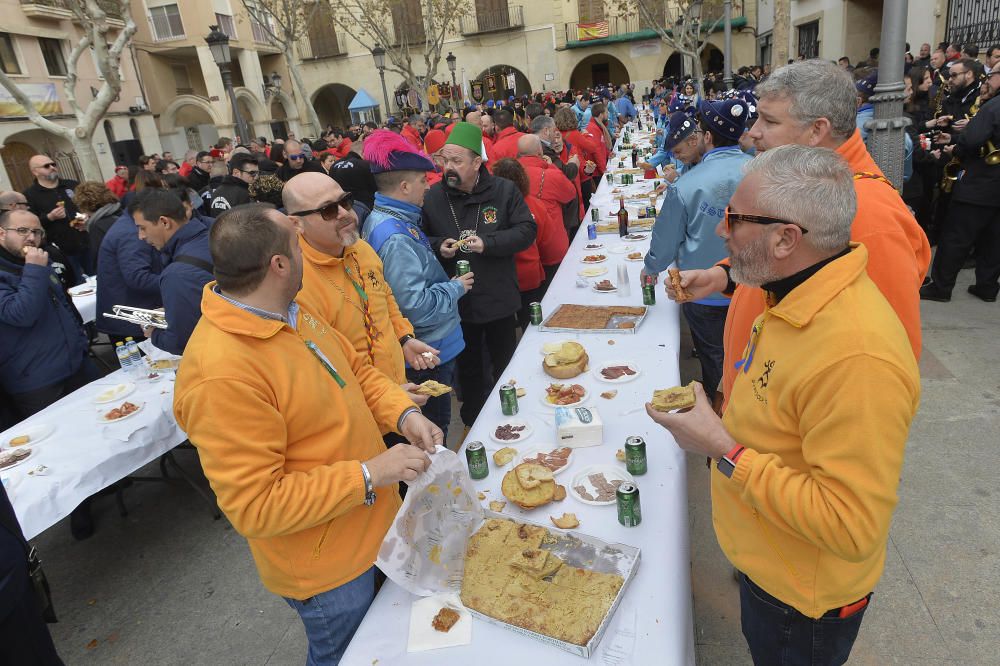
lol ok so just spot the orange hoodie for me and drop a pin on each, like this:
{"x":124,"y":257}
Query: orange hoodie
{"x":325,"y":284}
{"x":899,"y":258}
{"x":282,"y":441}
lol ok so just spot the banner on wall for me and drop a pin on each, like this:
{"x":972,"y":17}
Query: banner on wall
{"x":478,"y":93}
{"x":491,"y":83}
{"x":43,"y":97}
{"x":597,"y":30}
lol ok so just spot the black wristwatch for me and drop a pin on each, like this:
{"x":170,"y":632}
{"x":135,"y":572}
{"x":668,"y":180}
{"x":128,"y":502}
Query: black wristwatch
{"x":727,"y":463}
{"x":406,"y":338}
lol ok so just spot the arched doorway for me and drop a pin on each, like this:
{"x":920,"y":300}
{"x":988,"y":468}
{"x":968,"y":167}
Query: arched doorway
{"x":712,"y":59}
{"x":598,"y":69}
{"x":331,"y":102}
{"x":501,"y":76}
{"x":279,"y":120}
{"x":672,"y":68}
{"x":19,"y":148}
{"x":189,"y":123}
{"x":251,"y":110}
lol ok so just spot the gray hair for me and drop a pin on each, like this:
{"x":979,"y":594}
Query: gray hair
{"x":539,"y":123}
{"x":812,"y":187}
{"x":816,"y":89}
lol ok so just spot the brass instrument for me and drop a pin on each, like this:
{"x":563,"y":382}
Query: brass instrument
{"x":954,"y":166}
{"x":990,"y":153}
{"x":140,"y":316}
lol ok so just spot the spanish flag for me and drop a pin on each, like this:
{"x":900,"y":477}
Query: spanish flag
{"x":597,"y":30}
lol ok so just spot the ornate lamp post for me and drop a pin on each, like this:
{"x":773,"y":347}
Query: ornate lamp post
{"x":378,"y":53}
{"x":451,"y":60}
{"x":886,"y":141}
{"x":272,"y":85}
{"x":218,"y":44}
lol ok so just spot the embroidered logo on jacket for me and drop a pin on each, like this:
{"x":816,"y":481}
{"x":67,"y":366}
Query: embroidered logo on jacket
{"x":759,"y":385}
{"x":490,"y":215}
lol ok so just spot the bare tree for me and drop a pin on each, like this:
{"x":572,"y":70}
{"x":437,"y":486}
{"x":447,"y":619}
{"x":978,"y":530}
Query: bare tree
{"x":411,"y":31}
{"x":286,"y":23}
{"x":779,"y":53}
{"x":92,"y":16}
{"x":683,"y":25}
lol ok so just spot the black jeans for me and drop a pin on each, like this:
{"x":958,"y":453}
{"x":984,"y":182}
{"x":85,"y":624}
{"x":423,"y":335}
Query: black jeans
{"x":488,"y":350}
{"x":779,"y":635}
{"x":707,"y":323}
{"x":968,"y":225}
{"x":31,"y":402}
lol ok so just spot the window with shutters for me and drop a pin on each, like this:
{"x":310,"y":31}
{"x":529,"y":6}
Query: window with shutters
{"x":8,"y":56}
{"x":809,"y":40}
{"x":591,"y":10}
{"x":167,"y":23}
{"x":322,"y":34}
{"x":408,"y":21}
{"x":492,"y":15}
{"x":226,"y":25}
{"x":52,"y":53}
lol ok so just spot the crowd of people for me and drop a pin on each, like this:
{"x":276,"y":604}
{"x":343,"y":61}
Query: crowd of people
{"x":311,"y":285}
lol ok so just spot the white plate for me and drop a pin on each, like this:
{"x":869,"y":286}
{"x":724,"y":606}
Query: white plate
{"x":525,"y":434}
{"x":100,"y":415}
{"x":583,"y":260}
{"x":27,"y":448}
{"x":596,"y":371}
{"x":117,"y":392}
{"x":636,"y":236}
{"x":544,"y":401}
{"x":82,"y":290}
{"x":621,"y":248}
{"x":593,"y":246}
{"x":532,"y":451}
{"x":610,"y":472}
{"x":642,"y":258}
{"x":593,"y":271}
{"x":37,"y":433}
{"x":594,"y":288}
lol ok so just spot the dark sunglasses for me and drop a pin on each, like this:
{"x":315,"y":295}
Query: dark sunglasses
{"x":297,"y":156}
{"x":952,"y":75}
{"x":756,"y":219}
{"x":50,"y":165}
{"x":329,"y":211}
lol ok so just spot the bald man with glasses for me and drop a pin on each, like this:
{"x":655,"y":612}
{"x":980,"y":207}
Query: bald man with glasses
{"x":50,"y":198}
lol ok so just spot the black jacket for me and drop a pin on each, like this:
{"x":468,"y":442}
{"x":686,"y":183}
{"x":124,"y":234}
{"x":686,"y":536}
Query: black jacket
{"x":286,"y":172}
{"x":506,"y":226}
{"x":198,"y":179}
{"x":958,"y":103}
{"x":980,"y":182}
{"x":230,"y":193}
{"x":570,"y":209}
{"x":42,"y":201}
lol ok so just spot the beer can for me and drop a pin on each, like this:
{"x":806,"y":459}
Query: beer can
{"x":592,"y":231}
{"x":635,"y":451}
{"x":649,"y":294}
{"x":462,"y":267}
{"x":629,"y":510}
{"x":475,"y":454}
{"x":535,"y":312}
{"x":508,"y":393}
{"x":650,"y":211}
{"x":611,"y":178}
{"x":595,"y":213}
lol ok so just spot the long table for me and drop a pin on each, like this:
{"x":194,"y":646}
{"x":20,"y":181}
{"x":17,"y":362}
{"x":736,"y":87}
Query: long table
{"x":654,"y":622}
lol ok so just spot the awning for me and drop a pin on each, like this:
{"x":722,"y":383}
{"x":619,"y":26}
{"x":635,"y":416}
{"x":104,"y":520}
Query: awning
{"x":361,"y":102}
{"x":736,"y":23}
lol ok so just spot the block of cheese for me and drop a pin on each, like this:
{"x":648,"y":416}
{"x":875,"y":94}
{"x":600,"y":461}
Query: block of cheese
{"x":579,"y":426}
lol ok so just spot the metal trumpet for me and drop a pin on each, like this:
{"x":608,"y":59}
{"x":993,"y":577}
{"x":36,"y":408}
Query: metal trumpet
{"x":140,"y":316}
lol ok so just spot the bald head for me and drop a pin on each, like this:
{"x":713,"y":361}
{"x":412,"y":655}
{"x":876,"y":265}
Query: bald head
{"x":306,"y":190}
{"x":11,"y":200}
{"x":529,"y":145}
{"x":473,"y":117}
{"x":44,"y":169}
{"x":333,"y":229}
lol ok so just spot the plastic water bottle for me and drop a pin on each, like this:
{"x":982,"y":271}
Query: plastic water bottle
{"x":137,"y":362}
{"x":124,"y":358}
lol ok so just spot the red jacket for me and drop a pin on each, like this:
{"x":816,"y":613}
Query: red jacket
{"x":184,"y":170}
{"x":596,"y":132}
{"x":589,"y":151}
{"x":528,"y":262}
{"x":551,"y":239}
{"x":568,"y":152}
{"x":344,"y":148}
{"x":118,"y":186}
{"x":550,"y":187}
{"x":413,"y":136}
{"x":488,"y":145}
{"x":505,"y":144}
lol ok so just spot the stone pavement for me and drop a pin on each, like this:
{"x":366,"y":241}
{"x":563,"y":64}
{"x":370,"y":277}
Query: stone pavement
{"x":168,"y":585}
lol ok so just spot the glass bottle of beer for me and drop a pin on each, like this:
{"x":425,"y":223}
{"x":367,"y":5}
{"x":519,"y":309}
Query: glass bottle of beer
{"x":622,"y":219}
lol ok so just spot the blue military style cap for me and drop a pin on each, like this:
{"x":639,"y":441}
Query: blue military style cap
{"x":679,"y":103}
{"x":867,"y":84}
{"x":680,"y":127}
{"x":727,"y":118}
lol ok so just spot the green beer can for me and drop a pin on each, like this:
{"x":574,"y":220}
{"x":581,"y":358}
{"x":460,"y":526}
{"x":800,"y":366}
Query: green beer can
{"x":635,"y":455}
{"x":508,"y":399}
{"x":629,"y":510}
{"x":535,"y":312}
{"x":462,"y":266}
{"x":475,"y":454}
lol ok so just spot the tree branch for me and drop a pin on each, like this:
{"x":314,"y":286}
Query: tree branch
{"x":32,"y":113}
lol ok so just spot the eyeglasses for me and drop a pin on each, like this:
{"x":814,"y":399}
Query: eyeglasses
{"x":24,"y":231}
{"x":953,"y":74}
{"x":252,"y":172}
{"x":756,"y":219}
{"x":208,"y":162}
{"x":50,"y":165}
{"x":297,"y":156}
{"x":329,"y":211}
{"x":12,"y":206}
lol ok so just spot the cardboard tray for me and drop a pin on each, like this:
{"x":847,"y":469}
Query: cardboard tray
{"x":626,"y":331}
{"x":578,"y":549}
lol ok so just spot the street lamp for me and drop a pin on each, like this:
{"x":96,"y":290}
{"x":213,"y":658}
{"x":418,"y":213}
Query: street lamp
{"x":451,"y":60}
{"x":272,"y":85}
{"x":218,"y":44}
{"x":378,"y":53}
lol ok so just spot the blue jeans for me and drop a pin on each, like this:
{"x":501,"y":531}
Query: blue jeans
{"x":437,"y":410}
{"x":779,"y":635}
{"x":332,"y":617}
{"x":707,"y":324}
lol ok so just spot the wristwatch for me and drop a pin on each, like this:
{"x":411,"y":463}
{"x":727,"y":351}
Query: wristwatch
{"x":406,"y":338}
{"x":369,"y":488}
{"x":727,"y":463}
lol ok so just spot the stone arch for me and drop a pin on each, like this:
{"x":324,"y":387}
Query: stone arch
{"x":188,"y":106}
{"x":673,"y":67}
{"x":597,"y":69}
{"x":19,"y":147}
{"x":331,"y":101}
{"x":712,"y":59}
{"x":251,"y":108}
{"x":521,"y":84}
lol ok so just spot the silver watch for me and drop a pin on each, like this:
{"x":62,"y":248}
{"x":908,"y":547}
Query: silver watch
{"x":369,"y":488}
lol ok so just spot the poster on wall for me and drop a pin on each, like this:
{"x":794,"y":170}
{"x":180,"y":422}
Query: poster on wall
{"x":42,"y":96}
{"x":478,"y":94}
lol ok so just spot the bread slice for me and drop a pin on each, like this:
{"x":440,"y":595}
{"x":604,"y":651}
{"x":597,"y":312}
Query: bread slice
{"x":558,"y":370}
{"x":526,"y":498}
{"x":678,"y":397}
{"x":531,"y":475}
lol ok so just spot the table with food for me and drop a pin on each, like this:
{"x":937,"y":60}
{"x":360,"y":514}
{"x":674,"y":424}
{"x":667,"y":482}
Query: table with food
{"x":85,"y":299}
{"x":573,"y":517}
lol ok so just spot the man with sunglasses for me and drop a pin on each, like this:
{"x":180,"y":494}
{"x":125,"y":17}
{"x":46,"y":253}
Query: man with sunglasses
{"x":51,"y":199}
{"x":808,"y":455}
{"x":296,"y":162}
{"x":233,"y":190}
{"x":684,"y":232}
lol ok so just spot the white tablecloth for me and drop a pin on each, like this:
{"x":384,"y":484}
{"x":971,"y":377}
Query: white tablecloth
{"x":654,"y":623}
{"x":86,"y":306}
{"x":84,"y":455}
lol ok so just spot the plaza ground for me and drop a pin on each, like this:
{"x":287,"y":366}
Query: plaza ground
{"x":168,"y":585}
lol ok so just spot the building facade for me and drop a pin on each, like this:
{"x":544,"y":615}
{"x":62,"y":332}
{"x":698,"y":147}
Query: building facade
{"x":36,"y":39}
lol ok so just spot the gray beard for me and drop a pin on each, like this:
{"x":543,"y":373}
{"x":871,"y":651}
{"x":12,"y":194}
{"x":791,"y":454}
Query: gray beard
{"x":750,"y":266}
{"x":51,"y":177}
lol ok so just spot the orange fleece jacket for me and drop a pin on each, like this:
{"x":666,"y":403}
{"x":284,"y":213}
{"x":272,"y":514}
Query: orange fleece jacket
{"x":282,"y":443}
{"x":900,"y":257}
{"x":824,"y":411}
{"x":319,"y":295}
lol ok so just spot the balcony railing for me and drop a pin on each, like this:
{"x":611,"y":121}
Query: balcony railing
{"x":623,"y":26}
{"x":58,"y":9}
{"x":974,"y":22}
{"x":497,"y":20}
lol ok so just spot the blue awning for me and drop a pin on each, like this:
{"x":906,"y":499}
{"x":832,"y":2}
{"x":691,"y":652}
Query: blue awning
{"x":361,"y":102}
